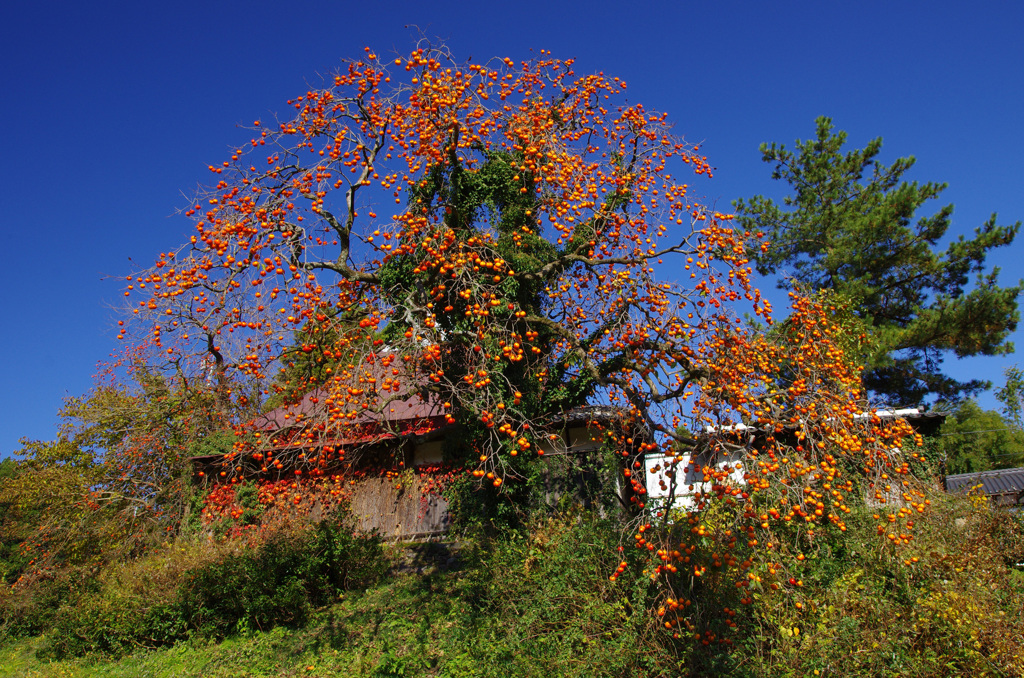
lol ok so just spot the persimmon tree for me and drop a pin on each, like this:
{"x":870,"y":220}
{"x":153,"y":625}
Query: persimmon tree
{"x":486,"y":237}
{"x":766,"y":491}
{"x":484,"y":234}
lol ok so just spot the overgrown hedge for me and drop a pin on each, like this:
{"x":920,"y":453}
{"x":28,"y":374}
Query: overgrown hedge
{"x":187,"y":593}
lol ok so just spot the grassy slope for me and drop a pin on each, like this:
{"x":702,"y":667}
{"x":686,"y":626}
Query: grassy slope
{"x":540,"y":604}
{"x":524,"y":607}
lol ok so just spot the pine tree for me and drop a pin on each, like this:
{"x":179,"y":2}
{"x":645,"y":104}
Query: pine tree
{"x":850,"y":227}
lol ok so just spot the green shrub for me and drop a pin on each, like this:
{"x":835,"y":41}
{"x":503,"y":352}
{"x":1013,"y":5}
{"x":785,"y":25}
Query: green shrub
{"x":112,"y":624}
{"x":280,"y":581}
{"x":255,"y":589}
{"x":29,"y":608}
{"x":229,"y":590}
{"x":539,"y":602}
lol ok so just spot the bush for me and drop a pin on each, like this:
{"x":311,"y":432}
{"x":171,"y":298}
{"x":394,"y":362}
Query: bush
{"x":279,"y":582}
{"x":227,"y":590}
{"x":540,"y":602}
{"x":113,"y":624}
{"x":950,"y":604}
{"x":30,"y":607}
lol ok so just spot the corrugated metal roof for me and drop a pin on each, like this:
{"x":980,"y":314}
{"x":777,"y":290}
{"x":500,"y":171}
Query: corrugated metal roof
{"x":1004,"y":481}
{"x":372,"y":376}
{"x":588,"y":413}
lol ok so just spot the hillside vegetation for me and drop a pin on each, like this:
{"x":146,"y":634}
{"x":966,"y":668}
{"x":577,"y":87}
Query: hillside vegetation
{"x":537,"y":601}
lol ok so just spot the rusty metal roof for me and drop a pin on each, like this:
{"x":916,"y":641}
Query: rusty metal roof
{"x":1001,"y":482}
{"x":413,"y":417}
{"x":372,"y":376}
{"x":317,"y":402}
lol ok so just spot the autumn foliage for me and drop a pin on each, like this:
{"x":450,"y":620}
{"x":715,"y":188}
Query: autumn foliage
{"x":486,"y":237}
{"x":483,"y":235}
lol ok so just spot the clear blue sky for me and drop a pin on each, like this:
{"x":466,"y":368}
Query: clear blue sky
{"x":112,"y":111}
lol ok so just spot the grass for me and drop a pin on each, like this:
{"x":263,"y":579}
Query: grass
{"x":539,"y":602}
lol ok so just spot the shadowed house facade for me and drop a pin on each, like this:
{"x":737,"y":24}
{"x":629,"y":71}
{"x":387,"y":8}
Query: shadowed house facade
{"x":742,"y":438}
{"x":393,"y":458}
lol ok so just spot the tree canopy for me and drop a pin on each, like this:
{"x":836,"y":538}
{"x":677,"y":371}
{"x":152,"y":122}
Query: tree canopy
{"x":116,"y":480}
{"x":850,"y":226}
{"x":512,"y":281}
{"x":1011,"y":395}
{"x":973,"y":439}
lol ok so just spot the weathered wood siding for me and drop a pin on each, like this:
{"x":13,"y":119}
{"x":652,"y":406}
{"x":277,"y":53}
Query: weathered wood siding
{"x":398,"y":511}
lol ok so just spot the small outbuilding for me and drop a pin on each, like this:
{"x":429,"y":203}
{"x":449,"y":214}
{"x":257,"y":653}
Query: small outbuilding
{"x":395,"y":459}
{"x":1004,"y":487}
